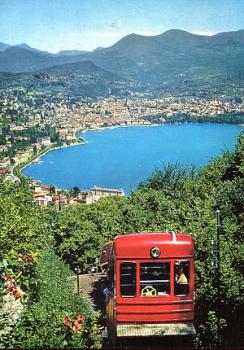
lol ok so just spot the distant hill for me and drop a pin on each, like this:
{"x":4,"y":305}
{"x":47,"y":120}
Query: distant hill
{"x":3,"y":46}
{"x":20,"y":58}
{"x":27,"y":47}
{"x":71,"y":52}
{"x":175,"y":54}
{"x":81,"y":67}
{"x":82,"y":78}
{"x":98,"y":49}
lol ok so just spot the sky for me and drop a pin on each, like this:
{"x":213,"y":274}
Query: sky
{"x":54,"y":25}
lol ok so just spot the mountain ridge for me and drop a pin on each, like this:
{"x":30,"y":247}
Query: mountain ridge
{"x":158,"y":57}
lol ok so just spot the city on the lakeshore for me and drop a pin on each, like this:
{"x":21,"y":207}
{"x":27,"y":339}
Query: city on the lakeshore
{"x":33,"y":123}
{"x":47,"y":101}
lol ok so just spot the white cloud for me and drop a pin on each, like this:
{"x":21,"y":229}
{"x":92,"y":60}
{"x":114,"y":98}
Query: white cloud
{"x":114,"y":24}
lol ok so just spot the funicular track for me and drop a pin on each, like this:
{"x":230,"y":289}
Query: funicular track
{"x":91,"y":286}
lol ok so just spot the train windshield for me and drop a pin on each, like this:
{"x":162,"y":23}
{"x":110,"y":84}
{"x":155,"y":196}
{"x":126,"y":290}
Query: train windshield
{"x":154,"y":279}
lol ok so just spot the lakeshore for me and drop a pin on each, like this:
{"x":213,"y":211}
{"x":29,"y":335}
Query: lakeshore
{"x":37,"y":157}
{"x":26,"y":136}
{"x":79,"y":141}
{"x":106,"y":160}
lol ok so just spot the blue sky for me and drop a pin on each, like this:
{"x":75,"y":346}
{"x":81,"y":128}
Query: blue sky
{"x":54,"y":25}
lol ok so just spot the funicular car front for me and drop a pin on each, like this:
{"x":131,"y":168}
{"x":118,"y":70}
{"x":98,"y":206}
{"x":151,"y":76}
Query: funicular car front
{"x":149,"y":301}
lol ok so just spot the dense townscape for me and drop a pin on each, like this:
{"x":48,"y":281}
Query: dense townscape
{"x":32,"y":122}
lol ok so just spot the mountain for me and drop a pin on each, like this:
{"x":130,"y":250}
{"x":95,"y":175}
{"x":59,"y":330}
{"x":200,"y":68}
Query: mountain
{"x":98,"y":48}
{"x":175,"y":54}
{"x":27,"y":47}
{"x":171,"y":53}
{"x":81,"y":68}
{"x":82,"y":78}
{"x":71,"y":52}
{"x":3,"y":46}
{"x":20,"y":58}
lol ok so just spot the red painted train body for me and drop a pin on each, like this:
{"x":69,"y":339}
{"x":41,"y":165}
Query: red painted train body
{"x":150,"y":285}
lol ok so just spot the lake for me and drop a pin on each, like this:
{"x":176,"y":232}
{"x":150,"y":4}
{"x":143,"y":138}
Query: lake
{"x":124,"y":157}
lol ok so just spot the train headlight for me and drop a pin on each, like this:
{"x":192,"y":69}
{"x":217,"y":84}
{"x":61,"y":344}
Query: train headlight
{"x":155,"y":252}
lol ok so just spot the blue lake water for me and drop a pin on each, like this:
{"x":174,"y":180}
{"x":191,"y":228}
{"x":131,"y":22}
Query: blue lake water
{"x":124,"y":157}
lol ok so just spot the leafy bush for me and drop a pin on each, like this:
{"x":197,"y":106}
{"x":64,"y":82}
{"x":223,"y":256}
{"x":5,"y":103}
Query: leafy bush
{"x":58,"y":318}
{"x":36,"y":296}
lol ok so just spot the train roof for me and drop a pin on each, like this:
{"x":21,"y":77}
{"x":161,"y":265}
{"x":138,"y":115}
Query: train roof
{"x":140,"y":245}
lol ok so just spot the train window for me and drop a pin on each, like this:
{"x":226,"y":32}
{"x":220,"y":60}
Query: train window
{"x":154,"y":279}
{"x":182,"y":274}
{"x":128,"y":279}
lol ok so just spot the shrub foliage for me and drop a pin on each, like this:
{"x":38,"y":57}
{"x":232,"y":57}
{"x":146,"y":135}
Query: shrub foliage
{"x":38,"y":307}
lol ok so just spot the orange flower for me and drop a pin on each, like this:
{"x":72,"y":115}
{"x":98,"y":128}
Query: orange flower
{"x":80,"y":318}
{"x":20,"y":258}
{"x":67,"y":322}
{"x":76,"y":327}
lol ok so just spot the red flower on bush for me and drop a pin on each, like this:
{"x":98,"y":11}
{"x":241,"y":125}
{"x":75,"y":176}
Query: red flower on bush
{"x":80,"y":318}
{"x":76,"y":327}
{"x":11,"y":288}
{"x":28,"y":258}
{"x":77,"y":323}
{"x":67,"y":322}
{"x":7,"y":277}
{"x":17,"y":293}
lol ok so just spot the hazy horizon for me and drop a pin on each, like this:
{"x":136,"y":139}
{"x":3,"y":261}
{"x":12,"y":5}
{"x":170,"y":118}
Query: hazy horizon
{"x":124,"y":35}
{"x":52,"y":25}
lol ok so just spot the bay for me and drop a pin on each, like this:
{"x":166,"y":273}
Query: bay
{"x":124,"y":157}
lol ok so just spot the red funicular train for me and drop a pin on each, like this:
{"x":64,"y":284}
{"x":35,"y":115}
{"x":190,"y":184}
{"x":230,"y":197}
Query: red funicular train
{"x":150,"y":285}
